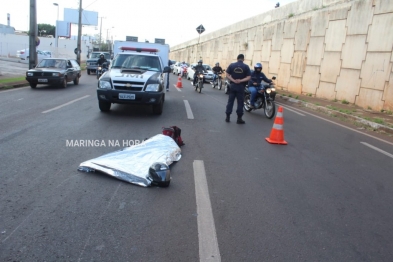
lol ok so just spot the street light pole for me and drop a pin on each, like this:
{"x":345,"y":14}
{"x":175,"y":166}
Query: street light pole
{"x":100,"y":34}
{"x":56,"y":36}
{"x":78,"y":53}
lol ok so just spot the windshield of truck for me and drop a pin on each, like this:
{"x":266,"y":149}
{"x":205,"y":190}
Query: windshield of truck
{"x":150,"y":63}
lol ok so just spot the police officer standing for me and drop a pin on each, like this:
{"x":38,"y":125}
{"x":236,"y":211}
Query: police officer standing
{"x":239,"y":74}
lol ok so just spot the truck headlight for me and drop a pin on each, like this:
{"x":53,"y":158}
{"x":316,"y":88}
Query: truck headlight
{"x":104,"y":85}
{"x":30,"y":74}
{"x":152,"y":87}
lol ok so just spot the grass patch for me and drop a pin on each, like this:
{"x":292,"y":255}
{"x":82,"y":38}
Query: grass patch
{"x":379,"y":121}
{"x":389,"y":112}
{"x":297,"y":97}
{"x":369,"y":108}
{"x":283,"y":95}
{"x":11,"y":80}
{"x":317,"y":104}
{"x":290,"y":15}
{"x":345,"y":111}
{"x":290,"y":95}
{"x":309,"y":94}
{"x":345,"y":102}
{"x":335,"y":100}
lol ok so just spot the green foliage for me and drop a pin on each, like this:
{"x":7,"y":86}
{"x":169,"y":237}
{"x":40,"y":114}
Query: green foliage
{"x":46,"y":29}
{"x":297,"y":97}
{"x":290,"y":15}
{"x":309,"y":94}
{"x":345,"y":102}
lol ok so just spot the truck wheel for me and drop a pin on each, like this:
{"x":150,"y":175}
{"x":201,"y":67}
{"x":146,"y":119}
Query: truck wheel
{"x":88,"y":71}
{"x":32,"y":85}
{"x":157,"y":109}
{"x":104,"y":106}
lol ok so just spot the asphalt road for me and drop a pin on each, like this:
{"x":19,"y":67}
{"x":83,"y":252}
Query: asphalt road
{"x":326,"y":196}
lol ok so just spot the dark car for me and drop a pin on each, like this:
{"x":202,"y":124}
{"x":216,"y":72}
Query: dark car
{"x":58,"y":71}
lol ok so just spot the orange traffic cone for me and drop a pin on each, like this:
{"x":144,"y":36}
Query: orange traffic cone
{"x":179,"y":84}
{"x":277,"y":133}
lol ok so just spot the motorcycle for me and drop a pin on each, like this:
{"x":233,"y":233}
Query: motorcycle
{"x":102,"y":69}
{"x":200,"y":80}
{"x":264,"y":99}
{"x":184,"y":73}
{"x":218,"y":81}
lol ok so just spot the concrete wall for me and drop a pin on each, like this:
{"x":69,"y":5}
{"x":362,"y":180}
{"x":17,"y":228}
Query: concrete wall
{"x":10,"y":43}
{"x":333,"y":49}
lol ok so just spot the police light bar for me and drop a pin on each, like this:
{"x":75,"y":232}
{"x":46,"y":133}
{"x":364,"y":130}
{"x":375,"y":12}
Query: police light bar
{"x":138,"y":49}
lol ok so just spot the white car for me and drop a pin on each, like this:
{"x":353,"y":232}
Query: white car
{"x":48,"y":53}
{"x":208,"y":76}
{"x":24,"y":55}
{"x":176,"y":67}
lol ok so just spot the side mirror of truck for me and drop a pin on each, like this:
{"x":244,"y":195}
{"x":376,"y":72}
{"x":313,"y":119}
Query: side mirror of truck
{"x":167,"y":69}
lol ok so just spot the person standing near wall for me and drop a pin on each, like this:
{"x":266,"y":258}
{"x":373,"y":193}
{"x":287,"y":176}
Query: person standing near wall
{"x":239,"y":74}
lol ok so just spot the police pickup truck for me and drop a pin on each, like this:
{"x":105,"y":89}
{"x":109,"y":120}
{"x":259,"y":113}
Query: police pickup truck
{"x":136,"y":76}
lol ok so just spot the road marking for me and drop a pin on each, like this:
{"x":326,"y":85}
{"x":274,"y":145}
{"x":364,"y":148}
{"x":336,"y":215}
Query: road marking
{"x":178,"y":89}
{"x":208,"y":245}
{"x":19,"y":99}
{"x":377,"y":149}
{"x":349,"y":128}
{"x":17,"y":227}
{"x":286,"y":108}
{"x":190,"y":115}
{"x":66,"y":104}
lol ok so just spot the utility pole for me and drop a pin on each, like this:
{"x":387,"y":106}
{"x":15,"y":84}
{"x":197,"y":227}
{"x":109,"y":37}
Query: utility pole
{"x":78,"y":56}
{"x":99,"y":43}
{"x":33,"y":35}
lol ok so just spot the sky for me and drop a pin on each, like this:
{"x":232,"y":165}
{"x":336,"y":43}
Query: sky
{"x":174,"y":21}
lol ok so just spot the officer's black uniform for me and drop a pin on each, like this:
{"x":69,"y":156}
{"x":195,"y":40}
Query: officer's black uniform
{"x":200,"y":69}
{"x":237,"y":70}
{"x":101,"y":61}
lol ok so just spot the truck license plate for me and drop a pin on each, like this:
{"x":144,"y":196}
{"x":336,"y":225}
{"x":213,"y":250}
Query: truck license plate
{"x":42,"y":80}
{"x":127,"y":96}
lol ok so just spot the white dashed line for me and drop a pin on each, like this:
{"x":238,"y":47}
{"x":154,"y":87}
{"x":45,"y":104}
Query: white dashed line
{"x":208,"y":244}
{"x":190,"y":115}
{"x":377,"y":149}
{"x":66,"y":104}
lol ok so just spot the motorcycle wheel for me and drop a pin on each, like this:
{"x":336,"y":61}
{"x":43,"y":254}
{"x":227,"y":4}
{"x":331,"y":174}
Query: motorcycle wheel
{"x":98,"y":76}
{"x":226,"y":89}
{"x":270,"y":109}
{"x":247,"y":103}
{"x":200,"y":86}
{"x":219,"y":84}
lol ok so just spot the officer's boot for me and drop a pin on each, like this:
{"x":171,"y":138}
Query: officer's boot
{"x":240,"y":120}
{"x":227,"y":119}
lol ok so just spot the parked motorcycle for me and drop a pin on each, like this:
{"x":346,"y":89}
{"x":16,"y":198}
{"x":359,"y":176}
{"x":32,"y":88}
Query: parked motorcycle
{"x":264,"y":99}
{"x":227,"y":86}
{"x":218,"y":81}
{"x":200,"y":80}
{"x":102,"y":69}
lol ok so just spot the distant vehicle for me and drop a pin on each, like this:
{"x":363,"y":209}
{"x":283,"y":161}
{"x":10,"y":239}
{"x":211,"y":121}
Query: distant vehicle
{"x":54,"y":71}
{"x":91,"y":63}
{"x":24,"y":55}
{"x":48,"y":53}
{"x":176,"y":67}
{"x":208,"y":77}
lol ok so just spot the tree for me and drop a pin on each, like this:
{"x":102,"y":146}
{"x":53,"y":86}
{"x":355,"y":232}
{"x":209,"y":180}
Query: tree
{"x":46,"y":29}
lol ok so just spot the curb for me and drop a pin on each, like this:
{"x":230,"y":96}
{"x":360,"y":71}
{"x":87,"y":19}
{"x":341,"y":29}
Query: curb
{"x":328,"y":111}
